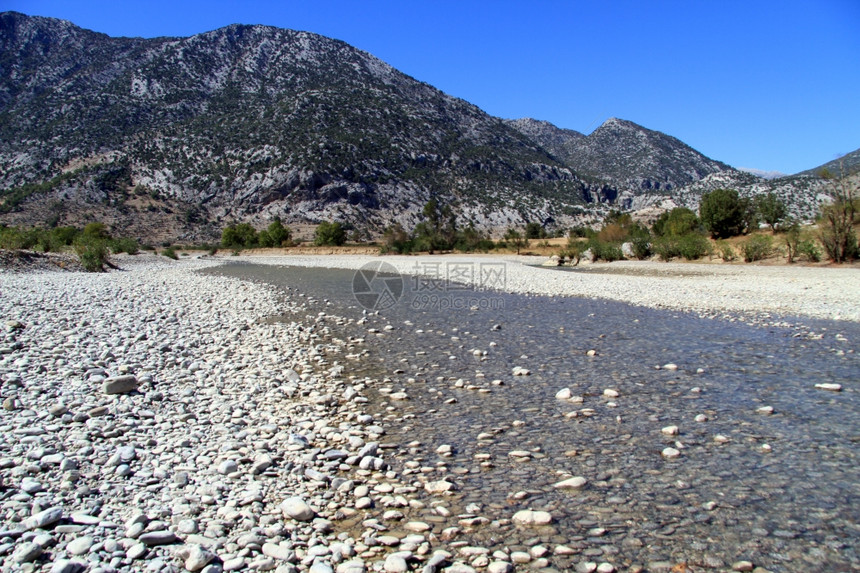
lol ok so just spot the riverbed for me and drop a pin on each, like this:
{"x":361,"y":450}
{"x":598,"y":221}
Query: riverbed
{"x":699,"y":441}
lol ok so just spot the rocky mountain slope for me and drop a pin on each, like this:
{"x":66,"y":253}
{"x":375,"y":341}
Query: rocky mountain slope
{"x":635,"y":161}
{"x":173,"y":138}
{"x":244,"y":123}
{"x":643,"y":168}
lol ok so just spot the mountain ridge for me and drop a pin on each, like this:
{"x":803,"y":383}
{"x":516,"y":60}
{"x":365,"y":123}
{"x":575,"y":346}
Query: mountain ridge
{"x":177,"y":137}
{"x":252,"y":122}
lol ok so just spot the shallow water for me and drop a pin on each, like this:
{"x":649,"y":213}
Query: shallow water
{"x":782,"y":491}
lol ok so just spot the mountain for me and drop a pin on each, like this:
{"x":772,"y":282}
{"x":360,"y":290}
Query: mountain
{"x":634,"y":160}
{"x":762,"y":173}
{"x":848,"y":164}
{"x":175,"y":137}
{"x":641,"y":168}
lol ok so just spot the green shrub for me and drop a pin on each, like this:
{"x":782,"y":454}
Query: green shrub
{"x":807,"y":248}
{"x":726,"y":251}
{"x":693,"y":246}
{"x":603,"y":251}
{"x":679,"y":221}
{"x":170,"y":253}
{"x":96,"y":231}
{"x":275,"y":235}
{"x":126,"y":245}
{"x":239,"y":236}
{"x":92,"y":253}
{"x":329,"y":234}
{"x":535,"y":231}
{"x":756,"y":248}
{"x":65,"y":235}
{"x":641,"y":247}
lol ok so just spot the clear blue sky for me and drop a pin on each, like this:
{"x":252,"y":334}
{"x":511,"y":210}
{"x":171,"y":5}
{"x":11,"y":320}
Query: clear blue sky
{"x":773,"y":85}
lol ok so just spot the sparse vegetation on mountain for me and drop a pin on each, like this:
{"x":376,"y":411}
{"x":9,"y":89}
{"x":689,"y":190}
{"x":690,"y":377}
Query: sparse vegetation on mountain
{"x":168,"y":138}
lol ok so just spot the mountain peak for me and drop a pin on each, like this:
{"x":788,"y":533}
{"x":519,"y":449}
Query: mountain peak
{"x":628,"y":156}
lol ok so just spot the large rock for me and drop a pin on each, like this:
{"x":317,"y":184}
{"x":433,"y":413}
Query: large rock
{"x":532,"y":517}
{"x":627,"y":250}
{"x":44,"y":518}
{"x":195,"y":557}
{"x":296,"y":508}
{"x":440,"y":486}
{"x":576,"y":482}
{"x":120,"y":385}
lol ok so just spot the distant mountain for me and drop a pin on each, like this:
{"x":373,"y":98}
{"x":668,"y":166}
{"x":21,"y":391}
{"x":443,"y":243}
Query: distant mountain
{"x":176,"y":136}
{"x":642,"y":168}
{"x":849,"y":163}
{"x":632,"y":159}
{"x":763,"y":174}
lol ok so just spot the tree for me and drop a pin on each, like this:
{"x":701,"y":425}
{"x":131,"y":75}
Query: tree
{"x":396,"y":239}
{"x":836,"y":224}
{"x":771,"y":209}
{"x":275,"y":235}
{"x":724,"y":213}
{"x":516,"y":239}
{"x":329,"y":234}
{"x":675,"y":223}
{"x":439,"y":229}
{"x":96,"y":231}
{"x":535,"y":231}
{"x":241,"y":235}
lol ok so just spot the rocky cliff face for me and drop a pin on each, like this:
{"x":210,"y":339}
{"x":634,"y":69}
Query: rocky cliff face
{"x":245,"y":123}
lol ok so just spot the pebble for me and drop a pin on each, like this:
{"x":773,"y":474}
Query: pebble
{"x":296,"y":508}
{"x":670,"y":453}
{"x":829,"y":386}
{"x":44,"y":518}
{"x":216,"y":430}
{"x":120,"y":385}
{"x":26,"y":552}
{"x":576,"y":482}
{"x":80,"y":546}
{"x":530,"y":517}
{"x":160,"y":537}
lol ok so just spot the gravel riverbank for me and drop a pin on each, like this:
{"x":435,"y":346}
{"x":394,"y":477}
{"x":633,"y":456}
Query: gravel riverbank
{"x":156,"y":419}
